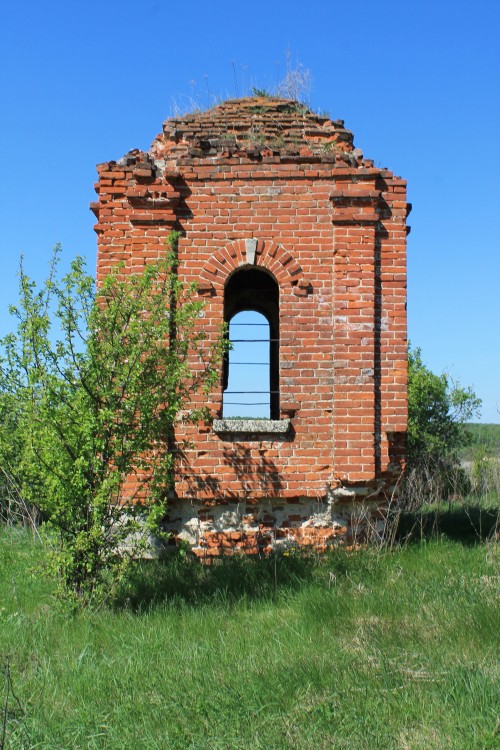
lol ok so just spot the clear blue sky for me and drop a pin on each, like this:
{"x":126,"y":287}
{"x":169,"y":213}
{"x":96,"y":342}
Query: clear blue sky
{"x":418,"y":83}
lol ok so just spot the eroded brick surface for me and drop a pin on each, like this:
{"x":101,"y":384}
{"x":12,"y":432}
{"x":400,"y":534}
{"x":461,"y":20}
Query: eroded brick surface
{"x":266,"y":182}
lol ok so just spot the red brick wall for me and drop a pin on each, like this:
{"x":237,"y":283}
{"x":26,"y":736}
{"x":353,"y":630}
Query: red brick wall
{"x":333,"y":234}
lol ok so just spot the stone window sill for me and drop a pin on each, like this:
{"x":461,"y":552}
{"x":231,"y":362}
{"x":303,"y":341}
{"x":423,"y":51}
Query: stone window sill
{"x":262,"y":426}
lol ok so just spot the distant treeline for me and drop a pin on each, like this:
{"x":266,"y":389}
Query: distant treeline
{"x":485,"y":435}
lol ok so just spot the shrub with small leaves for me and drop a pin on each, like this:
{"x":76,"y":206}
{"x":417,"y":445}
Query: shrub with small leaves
{"x":438,"y":409}
{"x":98,"y":380}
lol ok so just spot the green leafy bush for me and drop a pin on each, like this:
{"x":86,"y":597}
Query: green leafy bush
{"x":95,"y":382}
{"x":438,"y":409}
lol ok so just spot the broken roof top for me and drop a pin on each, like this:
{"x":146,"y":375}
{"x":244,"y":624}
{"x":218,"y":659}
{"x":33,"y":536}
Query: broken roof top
{"x":241,"y":126}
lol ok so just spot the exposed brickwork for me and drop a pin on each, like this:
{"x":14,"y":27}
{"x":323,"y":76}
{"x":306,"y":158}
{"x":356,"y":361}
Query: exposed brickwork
{"x":331,"y":228}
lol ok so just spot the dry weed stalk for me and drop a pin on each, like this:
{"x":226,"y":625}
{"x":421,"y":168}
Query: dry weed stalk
{"x":14,"y":509}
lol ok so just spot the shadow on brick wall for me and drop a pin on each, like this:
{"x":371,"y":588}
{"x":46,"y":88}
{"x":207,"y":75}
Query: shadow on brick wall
{"x":239,"y":477}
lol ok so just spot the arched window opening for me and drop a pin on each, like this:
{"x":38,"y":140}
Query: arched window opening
{"x":248,"y":392}
{"x":251,"y":371}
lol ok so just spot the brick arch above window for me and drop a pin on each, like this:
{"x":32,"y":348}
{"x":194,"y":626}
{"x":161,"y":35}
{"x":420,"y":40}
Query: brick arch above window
{"x":252,"y":252}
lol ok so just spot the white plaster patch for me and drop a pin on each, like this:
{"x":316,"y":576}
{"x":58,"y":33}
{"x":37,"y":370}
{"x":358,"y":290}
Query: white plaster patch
{"x":341,"y":509}
{"x":341,"y":493}
{"x":228,"y":521}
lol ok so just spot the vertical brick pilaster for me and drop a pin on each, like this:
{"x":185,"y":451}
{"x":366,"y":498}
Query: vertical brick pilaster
{"x":391,"y":244}
{"x":355,"y":330}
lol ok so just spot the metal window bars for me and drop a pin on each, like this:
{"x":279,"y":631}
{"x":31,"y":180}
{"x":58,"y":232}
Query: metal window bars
{"x":231,"y":393}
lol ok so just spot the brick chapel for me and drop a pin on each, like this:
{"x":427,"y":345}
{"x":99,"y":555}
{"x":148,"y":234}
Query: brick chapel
{"x":286,"y":227}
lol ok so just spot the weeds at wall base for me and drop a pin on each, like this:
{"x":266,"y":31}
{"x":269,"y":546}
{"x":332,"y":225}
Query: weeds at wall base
{"x":183,"y":579}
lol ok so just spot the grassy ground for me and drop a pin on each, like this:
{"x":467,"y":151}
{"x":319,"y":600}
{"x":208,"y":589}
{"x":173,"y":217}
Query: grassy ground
{"x":356,"y":650}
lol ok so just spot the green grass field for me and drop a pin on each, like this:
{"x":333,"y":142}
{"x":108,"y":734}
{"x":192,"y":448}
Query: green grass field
{"x":482,"y":436}
{"x":368,"y":649}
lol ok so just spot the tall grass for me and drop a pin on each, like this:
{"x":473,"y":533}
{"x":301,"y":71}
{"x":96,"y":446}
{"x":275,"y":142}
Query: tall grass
{"x":15,"y":510}
{"x":369,"y":649}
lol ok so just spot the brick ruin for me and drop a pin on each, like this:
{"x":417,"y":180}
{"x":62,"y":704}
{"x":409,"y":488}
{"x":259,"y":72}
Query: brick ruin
{"x":270,"y":196}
